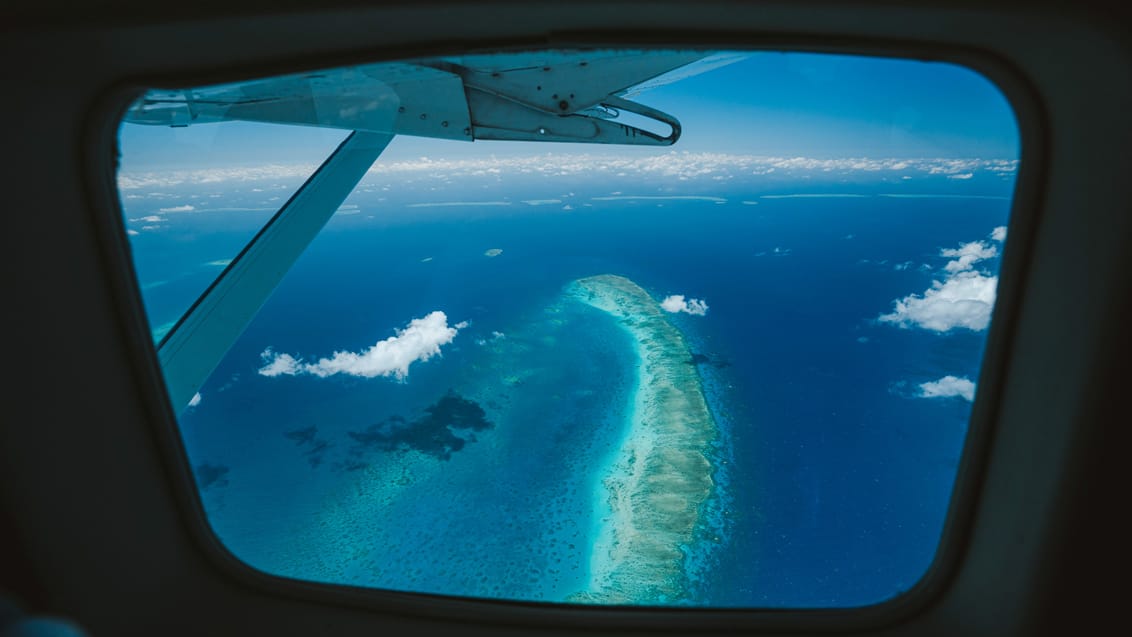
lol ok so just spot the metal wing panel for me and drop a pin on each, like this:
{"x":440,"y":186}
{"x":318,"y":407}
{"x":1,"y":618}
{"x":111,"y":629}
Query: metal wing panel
{"x":566,"y":82}
{"x":560,"y":96}
{"x":703,"y":65}
{"x":407,"y":99}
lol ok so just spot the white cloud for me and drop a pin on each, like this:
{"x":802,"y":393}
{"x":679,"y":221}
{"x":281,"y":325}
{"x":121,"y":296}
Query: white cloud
{"x":195,"y":400}
{"x":495,"y":336}
{"x":778,"y":251}
{"x":948,"y":387}
{"x":998,"y":234}
{"x":133,"y":233}
{"x":279,"y":364}
{"x":821,"y":195}
{"x":967,"y":255}
{"x":149,"y":219}
{"x":661,"y":198}
{"x":184,"y":208}
{"x":680,"y":165}
{"x":961,"y":176}
{"x":676,"y":303}
{"x":419,"y":341}
{"x":458,"y":204}
{"x":962,"y":298}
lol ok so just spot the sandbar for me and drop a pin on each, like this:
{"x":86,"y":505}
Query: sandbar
{"x":660,"y":479}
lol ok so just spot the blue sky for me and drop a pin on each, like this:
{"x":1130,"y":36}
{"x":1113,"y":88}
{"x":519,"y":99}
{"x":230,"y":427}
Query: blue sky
{"x":771,"y":103}
{"x":835,"y":106}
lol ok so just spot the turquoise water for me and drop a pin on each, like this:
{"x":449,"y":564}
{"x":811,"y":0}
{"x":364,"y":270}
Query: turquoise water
{"x":832,"y":480}
{"x":508,"y":515}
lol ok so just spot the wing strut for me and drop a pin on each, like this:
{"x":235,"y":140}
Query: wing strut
{"x":196,"y":345}
{"x":541,"y":96}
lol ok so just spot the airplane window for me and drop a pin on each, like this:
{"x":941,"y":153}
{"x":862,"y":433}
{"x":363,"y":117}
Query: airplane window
{"x":593,"y":326}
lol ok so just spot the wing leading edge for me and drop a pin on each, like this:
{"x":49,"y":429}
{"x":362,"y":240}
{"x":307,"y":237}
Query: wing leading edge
{"x":550,"y":96}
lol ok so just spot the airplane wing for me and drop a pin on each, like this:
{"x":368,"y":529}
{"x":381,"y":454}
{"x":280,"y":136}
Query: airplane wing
{"x":553,"y":96}
{"x":543,"y":96}
{"x":702,"y":65}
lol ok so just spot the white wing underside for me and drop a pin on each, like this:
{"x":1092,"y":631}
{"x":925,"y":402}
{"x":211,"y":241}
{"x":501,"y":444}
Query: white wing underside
{"x":564,"y":96}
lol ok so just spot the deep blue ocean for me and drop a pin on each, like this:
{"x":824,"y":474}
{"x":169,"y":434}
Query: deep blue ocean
{"x":833,"y":478}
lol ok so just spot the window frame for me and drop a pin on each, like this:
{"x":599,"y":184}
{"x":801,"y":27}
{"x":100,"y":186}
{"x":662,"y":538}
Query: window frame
{"x":1032,"y":128}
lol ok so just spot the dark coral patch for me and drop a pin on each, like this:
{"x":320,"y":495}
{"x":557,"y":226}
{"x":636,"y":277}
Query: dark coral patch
{"x":444,"y":429}
{"x":302,"y":436}
{"x":315,"y":447}
{"x":717,"y":362}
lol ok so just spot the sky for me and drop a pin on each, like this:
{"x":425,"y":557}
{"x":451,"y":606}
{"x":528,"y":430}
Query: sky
{"x":767,"y":104}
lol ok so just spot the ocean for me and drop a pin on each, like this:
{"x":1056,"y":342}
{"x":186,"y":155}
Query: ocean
{"x":832,"y":472}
